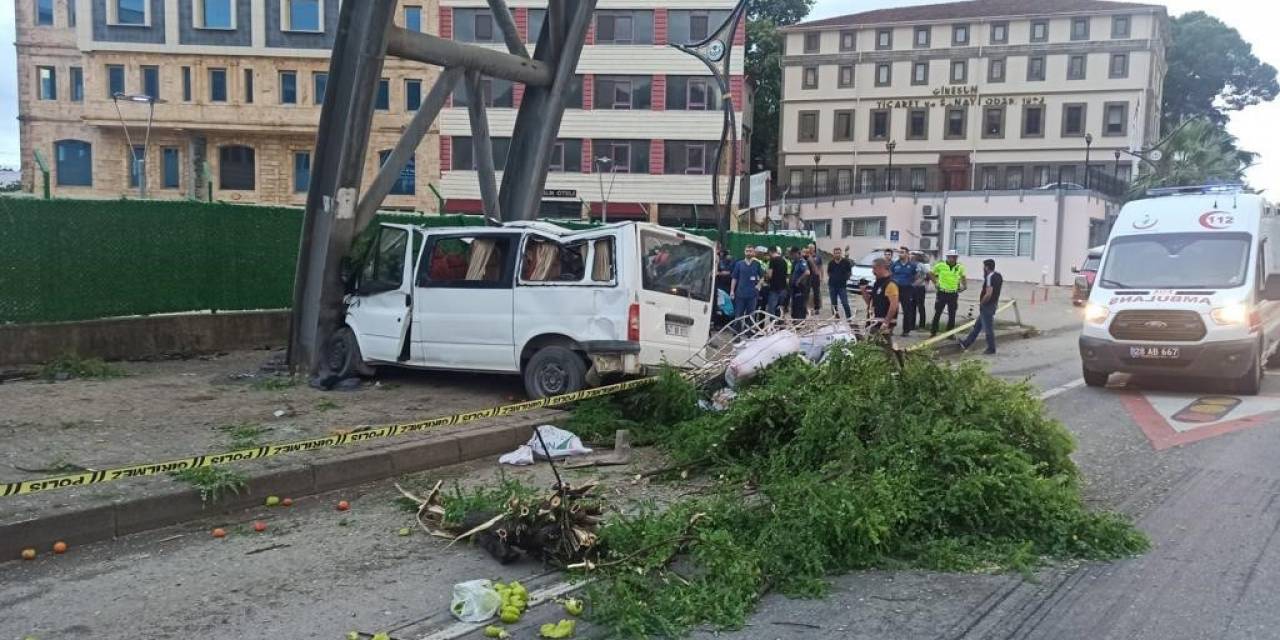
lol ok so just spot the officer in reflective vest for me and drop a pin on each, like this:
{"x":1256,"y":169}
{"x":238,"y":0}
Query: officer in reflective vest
{"x":949,"y":277}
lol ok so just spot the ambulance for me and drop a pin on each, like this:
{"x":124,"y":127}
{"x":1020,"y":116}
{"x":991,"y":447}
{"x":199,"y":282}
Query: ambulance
{"x":1188,"y":287}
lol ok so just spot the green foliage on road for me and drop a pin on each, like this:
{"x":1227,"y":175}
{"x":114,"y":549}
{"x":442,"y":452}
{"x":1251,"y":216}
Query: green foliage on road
{"x":73,"y":366}
{"x":853,"y":464}
{"x":214,"y":483}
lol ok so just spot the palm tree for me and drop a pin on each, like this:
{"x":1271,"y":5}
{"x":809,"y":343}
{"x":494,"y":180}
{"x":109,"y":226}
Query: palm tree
{"x":1200,"y":152}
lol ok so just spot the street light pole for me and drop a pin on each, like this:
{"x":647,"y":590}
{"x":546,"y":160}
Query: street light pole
{"x":602,"y":162}
{"x":888,"y":176}
{"x":1116,"y":172}
{"x":138,"y":163}
{"x":1088,"y":144}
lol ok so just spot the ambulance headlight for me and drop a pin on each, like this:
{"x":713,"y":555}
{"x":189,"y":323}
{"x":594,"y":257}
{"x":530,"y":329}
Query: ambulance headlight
{"x":1232,"y":314}
{"x":1096,"y":313}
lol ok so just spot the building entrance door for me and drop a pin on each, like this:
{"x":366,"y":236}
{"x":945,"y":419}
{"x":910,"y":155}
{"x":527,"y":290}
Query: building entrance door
{"x":955,"y":172}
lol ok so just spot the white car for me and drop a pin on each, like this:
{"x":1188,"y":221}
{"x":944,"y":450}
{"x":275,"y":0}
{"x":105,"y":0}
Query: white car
{"x":562,"y":308}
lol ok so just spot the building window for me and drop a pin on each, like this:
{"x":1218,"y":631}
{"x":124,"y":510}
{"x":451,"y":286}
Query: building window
{"x":1073,"y":119}
{"x":1117,"y":119}
{"x":406,"y":184}
{"x":1007,"y":237}
{"x":862,"y":227}
{"x":884,"y":39}
{"x":626,"y":156}
{"x":534,"y":26}
{"x":288,"y":87}
{"x":248,"y":86}
{"x":922,"y":37}
{"x":304,"y":15}
{"x":48,"y":83}
{"x":170,"y":168}
{"x":1000,"y":33}
{"x":960,"y":35}
{"x":186,"y":84}
{"x":151,"y":82}
{"x":413,"y":19}
{"x":848,"y":40}
{"x":690,"y":93}
{"x":622,"y":92}
{"x":115,"y":79}
{"x":812,"y":42}
{"x":73,"y":161}
{"x":808,"y":126}
{"x":687,"y":27}
{"x":412,"y":94}
{"x":382,"y":100}
{"x":566,"y":156}
{"x":1120,"y":26}
{"x":77,"y":84}
{"x":795,"y":180}
{"x":996,"y":70}
{"x":884,"y":74}
{"x":844,"y":180}
{"x":215,"y":14}
{"x":1119,"y":65}
{"x":573,"y":94}
{"x":844,"y":126}
{"x":820,"y":228}
{"x":236,"y":168}
{"x":301,"y":171}
{"x":683,"y":157}
{"x":1076,"y":66}
{"x":1079,"y":28}
{"x":698,"y":27}
{"x":845,"y":76}
{"x":319,"y":85}
{"x":1039,"y":176}
{"x":880,"y":124}
{"x":809,"y":80}
{"x":1013,"y":178}
{"x":820,"y":182}
{"x":990,"y":178}
{"x":956,"y":121}
{"x":217,"y":85}
{"x":495,"y":93}
{"x":1033,"y":122}
{"x":917,"y":178}
{"x":624,"y":27}
{"x":130,"y":12}
{"x":474,"y":25}
{"x":137,"y":164}
{"x":1040,"y":31}
{"x":993,"y":122}
{"x":919,"y":73}
{"x":918,"y":124}
{"x":959,"y":71}
{"x":71,"y":13}
{"x":464,"y":153}
{"x":1035,"y":69}
{"x":44,"y":13}
{"x":866,"y":181}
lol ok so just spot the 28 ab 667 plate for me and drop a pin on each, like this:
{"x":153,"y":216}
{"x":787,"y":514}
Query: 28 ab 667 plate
{"x":1154,"y":353}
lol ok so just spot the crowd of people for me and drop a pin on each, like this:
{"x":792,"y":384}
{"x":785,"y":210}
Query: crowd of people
{"x":766,"y":280}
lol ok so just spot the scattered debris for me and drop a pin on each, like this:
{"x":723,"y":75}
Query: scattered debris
{"x":266,"y":549}
{"x":559,"y":442}
{"x":620,"y":455}
{"x":343,"y":505}
{"x":475,"y":601}
{"x":219,"y":533}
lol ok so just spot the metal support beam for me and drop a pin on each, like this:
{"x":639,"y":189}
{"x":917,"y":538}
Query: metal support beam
{"x":409,"y":141}
{"x":447,"y":53}
{"x":482,"y":146}
{"x":502,"y":16}
{"x":538,"y":120}
{"x":341,"y":141}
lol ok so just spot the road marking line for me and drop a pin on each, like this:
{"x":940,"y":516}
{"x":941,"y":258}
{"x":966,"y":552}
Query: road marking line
{"x":1059,"y":390}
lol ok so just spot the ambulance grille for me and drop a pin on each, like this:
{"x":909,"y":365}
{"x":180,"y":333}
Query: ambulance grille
{"x":1158,"y":326}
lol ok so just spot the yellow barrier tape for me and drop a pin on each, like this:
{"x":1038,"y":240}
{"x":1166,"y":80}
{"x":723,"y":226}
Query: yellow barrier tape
{"x":266,"y":451}
{"x":964,"y":327}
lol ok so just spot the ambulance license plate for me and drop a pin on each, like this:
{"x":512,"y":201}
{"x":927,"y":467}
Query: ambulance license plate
{"x":1154,"y":353}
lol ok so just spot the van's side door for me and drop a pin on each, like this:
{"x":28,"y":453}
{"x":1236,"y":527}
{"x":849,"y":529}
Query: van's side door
{"x":463,"y":302}
{"x":379,"y":312}
{"x":569,"y":285}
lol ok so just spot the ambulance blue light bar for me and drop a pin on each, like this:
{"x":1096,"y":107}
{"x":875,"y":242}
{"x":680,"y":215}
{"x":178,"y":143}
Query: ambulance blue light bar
{"x":1195,"y":190}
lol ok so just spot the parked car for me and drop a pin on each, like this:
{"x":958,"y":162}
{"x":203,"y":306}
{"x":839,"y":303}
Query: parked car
{"x":862,"y":269}
{"x":562,"y":308}
{"x":1085,"y":274}
{"x":1065,"y":186}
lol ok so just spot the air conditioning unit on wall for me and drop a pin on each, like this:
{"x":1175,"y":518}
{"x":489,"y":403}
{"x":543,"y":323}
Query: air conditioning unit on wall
{"x":929,"y":244}
{"x":929,"y":211}
{"x":930,"y":227}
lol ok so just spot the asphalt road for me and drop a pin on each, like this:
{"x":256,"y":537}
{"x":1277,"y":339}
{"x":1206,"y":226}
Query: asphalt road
{"x":1208,"y":505}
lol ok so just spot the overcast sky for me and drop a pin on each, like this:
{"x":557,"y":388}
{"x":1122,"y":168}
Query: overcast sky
{"x":1257,"y":127}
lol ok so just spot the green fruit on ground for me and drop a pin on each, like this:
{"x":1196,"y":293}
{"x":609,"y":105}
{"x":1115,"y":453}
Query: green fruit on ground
{"x":573,"y":607}
{"x":353,"y":635}
{"x":492,"y":632}
{"x":273,"y":501}
{"x":509,"y":615}
{"x":404,"y":531}
{"x":518,"y":589}
{"x":562,"y":629}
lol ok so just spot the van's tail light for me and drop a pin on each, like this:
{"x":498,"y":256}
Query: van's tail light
{"x":633,"y":322}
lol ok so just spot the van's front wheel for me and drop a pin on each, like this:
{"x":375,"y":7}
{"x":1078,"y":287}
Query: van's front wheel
{"x":1251,"y":382}
{"x":342,"y":355}
{"x":553,"y":371}
{"x":1096,"y":378}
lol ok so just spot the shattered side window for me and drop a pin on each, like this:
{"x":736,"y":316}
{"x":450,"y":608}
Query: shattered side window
{"x":466,"y":262}
{"x":545,"y":260}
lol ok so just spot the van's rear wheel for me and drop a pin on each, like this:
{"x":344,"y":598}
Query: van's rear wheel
{"x":342,"y":355}
{"x":1096,"y":378}
{"x":553,"y":371}
{"x":1251,"y":382}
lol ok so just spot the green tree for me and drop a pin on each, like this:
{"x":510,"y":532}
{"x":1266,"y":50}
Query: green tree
{"x":764,"y":68}
{"x":1211,"y":72}
{"x":1201,"y":152}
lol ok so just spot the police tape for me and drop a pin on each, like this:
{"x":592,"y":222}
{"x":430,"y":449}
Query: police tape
{"x":357,"y":436}
{"x":964,"y":327}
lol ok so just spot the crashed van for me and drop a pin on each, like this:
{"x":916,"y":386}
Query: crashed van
{"x":564,"y":309}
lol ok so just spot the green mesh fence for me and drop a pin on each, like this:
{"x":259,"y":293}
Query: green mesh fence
{"x":63,"y":260}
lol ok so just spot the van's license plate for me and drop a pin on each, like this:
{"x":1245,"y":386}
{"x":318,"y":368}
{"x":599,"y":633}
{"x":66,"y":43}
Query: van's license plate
{"x":1154,"y":353}
{"x":675,"y":329}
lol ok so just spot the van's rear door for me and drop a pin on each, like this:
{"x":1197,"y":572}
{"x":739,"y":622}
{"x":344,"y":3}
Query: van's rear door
{"x":675,"y":294}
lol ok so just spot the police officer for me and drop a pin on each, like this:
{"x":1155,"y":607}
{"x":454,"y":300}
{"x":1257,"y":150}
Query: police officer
{"x":949,"y":278}
{"x":904,"y":270}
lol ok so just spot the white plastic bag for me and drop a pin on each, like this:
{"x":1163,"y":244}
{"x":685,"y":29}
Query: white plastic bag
{"x":759,"y":353}
{"x":561,"y":443}
{"x":520,"y":457}
{"x":475,"y":601}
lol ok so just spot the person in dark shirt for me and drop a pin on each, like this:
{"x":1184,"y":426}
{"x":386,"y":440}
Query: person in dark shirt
{"x":882,"y":296}
{"x":904,"y":270}
{"x":799,"y":284}
{"x":815,"y":276}
{"x":724,"y":270}
{"x":992,"y":283}
{"x":777,"y":281}
{"x":838,"y":272}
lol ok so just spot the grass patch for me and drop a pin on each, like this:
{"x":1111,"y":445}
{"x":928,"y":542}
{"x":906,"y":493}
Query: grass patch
{"x":327,"y":405}
{"x":244,"y":435}
{"x":853,"y":464}
{"x":214,"y":483}
{"x":275,"y":383}
{"x":72,"y":366}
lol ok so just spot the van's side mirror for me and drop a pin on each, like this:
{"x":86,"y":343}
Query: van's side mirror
{"x":1075,"y":269}
{"x":1271,"y":287}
